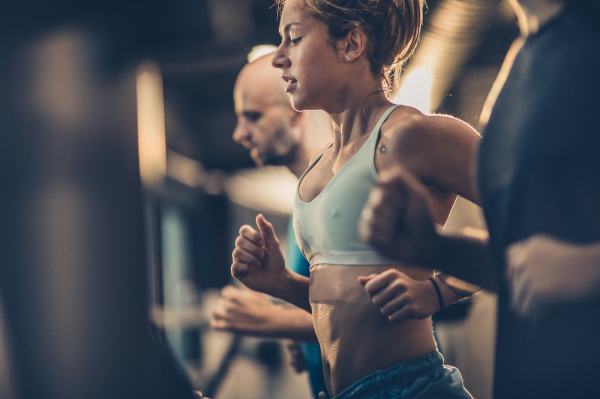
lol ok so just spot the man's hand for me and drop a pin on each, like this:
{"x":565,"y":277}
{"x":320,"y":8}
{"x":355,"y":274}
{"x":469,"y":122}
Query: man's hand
{"x":245,"y":311}
{"x":296,"y":355}
{"x":257,"y":259}
{"x":396,"y":219}
{"x":543,"y":271}
{"x":249,"y":312}
{"x":400,"y":297}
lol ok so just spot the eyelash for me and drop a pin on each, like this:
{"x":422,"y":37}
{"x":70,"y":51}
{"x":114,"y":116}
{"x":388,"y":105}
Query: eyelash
{"x":287,"y":41}
{"x":253,"y":116}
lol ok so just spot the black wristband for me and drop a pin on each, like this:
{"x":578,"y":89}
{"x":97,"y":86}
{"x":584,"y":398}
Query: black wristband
{"x":438,"y":292}
{"x":459,"y":293}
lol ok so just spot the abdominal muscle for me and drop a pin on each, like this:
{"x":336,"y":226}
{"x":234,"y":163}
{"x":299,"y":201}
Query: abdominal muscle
{"x":355,"y":338}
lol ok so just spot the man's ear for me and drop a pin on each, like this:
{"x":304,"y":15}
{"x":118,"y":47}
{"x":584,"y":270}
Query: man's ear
{"x":354,"y":45}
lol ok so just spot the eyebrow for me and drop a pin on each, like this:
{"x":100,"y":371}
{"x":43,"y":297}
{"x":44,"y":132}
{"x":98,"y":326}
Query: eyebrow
{"x":287,"y":27}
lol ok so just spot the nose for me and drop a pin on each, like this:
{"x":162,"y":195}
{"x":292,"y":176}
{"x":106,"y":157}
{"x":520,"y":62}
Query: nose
{"x":280,"y":59}
{"x":241,"y":134}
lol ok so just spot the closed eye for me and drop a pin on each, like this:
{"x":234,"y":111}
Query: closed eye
{"x":252,"y":116}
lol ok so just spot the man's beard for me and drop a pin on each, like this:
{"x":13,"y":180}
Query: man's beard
{"x":272,"y":158}
{"x":278,"y":159}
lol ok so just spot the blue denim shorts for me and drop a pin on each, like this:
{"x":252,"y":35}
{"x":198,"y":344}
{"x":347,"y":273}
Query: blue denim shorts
{"x":423,"y":378}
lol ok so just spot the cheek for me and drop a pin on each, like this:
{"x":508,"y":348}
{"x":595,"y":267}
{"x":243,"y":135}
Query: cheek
{"x":256,"y":135}
{"x":268,"y":130}
{"x":311,"y":64}
{"x":318,"y":73}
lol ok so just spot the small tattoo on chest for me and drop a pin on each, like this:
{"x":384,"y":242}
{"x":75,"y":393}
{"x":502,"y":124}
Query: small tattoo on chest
{"x":383,"y":150}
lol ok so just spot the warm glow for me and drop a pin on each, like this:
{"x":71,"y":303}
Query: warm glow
{"x":186,"y":170}
{"x":151,"y":124}
{"x":416,"y":89}
{"x":270,"y":189}
{"x":453,"y":32}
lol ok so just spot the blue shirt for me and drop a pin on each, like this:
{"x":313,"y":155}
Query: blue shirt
{"x":312,"y":354}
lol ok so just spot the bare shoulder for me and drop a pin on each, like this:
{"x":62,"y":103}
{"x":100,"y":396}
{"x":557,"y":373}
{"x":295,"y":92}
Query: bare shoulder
{"x":409,"y":129}
{"x":439,"y":149}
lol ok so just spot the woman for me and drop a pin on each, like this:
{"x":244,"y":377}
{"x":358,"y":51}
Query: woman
{"x":375,"y":339}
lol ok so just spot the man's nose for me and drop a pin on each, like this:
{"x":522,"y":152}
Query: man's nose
{"x":242,"y":135}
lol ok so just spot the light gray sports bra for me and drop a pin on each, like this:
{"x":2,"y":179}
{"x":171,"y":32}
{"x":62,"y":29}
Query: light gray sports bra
{"x":327,"y":227}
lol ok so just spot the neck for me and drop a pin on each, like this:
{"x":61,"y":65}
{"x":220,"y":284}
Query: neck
{"x":358,"y":114}
{"x":315,"y":132}
{"x":297,"y":160}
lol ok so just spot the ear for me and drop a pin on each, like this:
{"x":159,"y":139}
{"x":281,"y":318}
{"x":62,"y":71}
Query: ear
{"x":354,"y":45}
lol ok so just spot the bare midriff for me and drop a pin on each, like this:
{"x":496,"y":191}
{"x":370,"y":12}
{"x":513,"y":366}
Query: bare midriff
{"x":355,"y":338}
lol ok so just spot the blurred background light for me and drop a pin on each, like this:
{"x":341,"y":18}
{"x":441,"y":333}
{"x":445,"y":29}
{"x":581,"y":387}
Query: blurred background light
{"x":151,"y":124}
{"x":269,"y":189}
{"x":453,"y":30}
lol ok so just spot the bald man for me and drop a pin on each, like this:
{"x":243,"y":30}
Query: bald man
{"x":275,"y":134}
{"x":267,"y":125}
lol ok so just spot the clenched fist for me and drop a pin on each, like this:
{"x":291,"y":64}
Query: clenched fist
{"x":400,"y":297}
{"x":396,"y":219}
{"x":257,"y":261}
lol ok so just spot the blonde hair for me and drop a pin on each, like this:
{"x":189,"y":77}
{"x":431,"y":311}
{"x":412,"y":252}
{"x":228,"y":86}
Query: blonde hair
{"x":393,"y":28}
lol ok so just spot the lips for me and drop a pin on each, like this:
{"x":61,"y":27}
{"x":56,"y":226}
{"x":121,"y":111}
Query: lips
{"x":291,"y":83}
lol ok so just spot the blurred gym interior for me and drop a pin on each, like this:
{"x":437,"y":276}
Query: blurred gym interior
{"x":123,"y":192}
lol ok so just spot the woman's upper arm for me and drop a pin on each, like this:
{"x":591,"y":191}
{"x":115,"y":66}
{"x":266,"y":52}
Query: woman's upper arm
{"x":439,"y":149}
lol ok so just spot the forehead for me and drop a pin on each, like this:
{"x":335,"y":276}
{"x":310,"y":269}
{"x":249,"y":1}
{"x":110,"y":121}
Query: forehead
{"x":293,"y":12}
{"x":250,"y":96}
{"x":247,"y":100}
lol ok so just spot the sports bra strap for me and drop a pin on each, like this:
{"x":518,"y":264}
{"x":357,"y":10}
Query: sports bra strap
{"x":376,"y":132}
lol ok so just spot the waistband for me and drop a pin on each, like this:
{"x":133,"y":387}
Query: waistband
{"x":403,"y":373}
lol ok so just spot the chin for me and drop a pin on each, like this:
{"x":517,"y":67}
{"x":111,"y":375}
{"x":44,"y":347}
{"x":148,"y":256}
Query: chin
{"x":257,"y":157}
{"x":296,"y":104}
{"x":301,"y":104}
